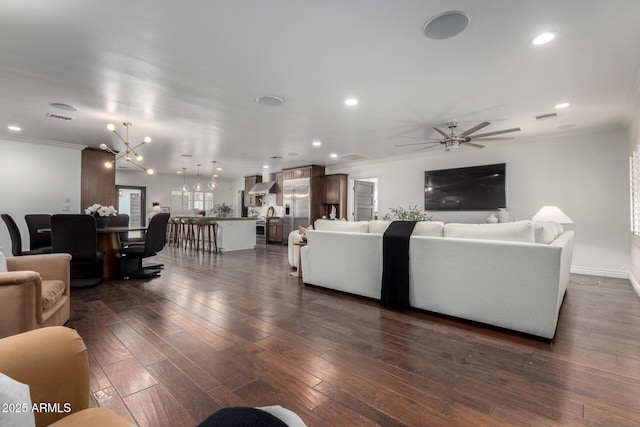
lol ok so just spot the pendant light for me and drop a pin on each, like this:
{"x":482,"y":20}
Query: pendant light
{"x":184,"y":180}
{"x":197,"y":186}
{"x":212,"y":184}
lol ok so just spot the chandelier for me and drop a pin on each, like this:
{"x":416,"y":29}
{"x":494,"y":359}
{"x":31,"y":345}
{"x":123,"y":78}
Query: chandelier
{"x":128,"y":149}
{"x":212,"y":184}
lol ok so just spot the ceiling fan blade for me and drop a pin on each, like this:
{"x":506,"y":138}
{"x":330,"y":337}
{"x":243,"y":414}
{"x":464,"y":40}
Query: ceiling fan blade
{"x":441,"y":132}
{"x":498,"y":132}
{"x":497,"y":139}
{"x":419,"y":137}
{"x":475,"y":129}
{"x":426,"y":148}
{"x":416,"y":143}
{"x":471,"y":144}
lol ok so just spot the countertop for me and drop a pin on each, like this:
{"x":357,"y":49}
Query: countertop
{"x":231,"y":218}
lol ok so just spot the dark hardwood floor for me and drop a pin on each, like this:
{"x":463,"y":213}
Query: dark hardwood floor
{"x":235,"y":329}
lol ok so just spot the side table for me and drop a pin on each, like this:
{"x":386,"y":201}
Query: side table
{"x":298,"y":273}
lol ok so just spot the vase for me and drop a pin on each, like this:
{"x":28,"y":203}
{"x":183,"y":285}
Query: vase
{"x":492,"y":219}
{"x":503,"y":215}
{"x":102,"y":221}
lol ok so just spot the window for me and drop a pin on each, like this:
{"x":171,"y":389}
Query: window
{"x":186,"y":202}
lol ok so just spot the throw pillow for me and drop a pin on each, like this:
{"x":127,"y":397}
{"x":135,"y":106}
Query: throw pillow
{"x":303,"y":230}
{"x":547,"y":231}
{"x":3,"y":263}
{"x":16,"y":402}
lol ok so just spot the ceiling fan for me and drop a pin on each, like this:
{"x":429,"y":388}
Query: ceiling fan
{"x":455,"y":140}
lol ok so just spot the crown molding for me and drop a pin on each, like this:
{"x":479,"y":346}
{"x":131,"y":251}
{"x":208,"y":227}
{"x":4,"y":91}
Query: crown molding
{"x":47,"y":142}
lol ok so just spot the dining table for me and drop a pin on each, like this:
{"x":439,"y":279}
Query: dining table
{"x":109,"y":243}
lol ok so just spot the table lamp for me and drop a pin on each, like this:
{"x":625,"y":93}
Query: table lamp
{"x":552,"y":213}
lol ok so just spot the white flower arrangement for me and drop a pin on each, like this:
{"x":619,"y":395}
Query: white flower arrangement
{"x":98,"y":210}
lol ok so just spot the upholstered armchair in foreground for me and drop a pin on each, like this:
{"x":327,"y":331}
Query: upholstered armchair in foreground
{"x":34,"y":293}
{"x":53,"y":362}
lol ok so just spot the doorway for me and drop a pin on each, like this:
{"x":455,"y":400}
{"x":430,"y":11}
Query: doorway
{"x":132,"y":201}
{"x":365,"y":199}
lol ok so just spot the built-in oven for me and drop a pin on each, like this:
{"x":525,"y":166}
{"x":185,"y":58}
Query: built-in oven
{"x":261,"y":232}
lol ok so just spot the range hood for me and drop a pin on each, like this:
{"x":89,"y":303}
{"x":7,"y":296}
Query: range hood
{"x":263,"y":188}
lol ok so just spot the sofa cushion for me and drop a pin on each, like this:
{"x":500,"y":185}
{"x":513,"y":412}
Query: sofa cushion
{"x":378,"y":226}
{"x":519,"y":231}
{"x":546,"y":231}
{"x":428,"y":228}
{"x":342,"y":226}
{"x":51,"y":292}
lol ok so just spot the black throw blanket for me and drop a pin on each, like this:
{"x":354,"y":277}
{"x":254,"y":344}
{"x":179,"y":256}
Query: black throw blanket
{"x":395,"y":264}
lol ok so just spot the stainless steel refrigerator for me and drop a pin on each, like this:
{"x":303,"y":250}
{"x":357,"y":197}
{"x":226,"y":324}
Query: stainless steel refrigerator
{"x":297,"y":205}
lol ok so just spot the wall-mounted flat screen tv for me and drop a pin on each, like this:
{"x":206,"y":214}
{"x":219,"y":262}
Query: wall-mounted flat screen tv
{"x":476,"y":188}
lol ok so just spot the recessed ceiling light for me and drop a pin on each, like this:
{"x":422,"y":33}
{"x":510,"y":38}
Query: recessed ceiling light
{"x":265,"y":167}
{"x":351,"y":102}
{"x":65,"y":107}
{"x":215,"y":175}
{"x":316,"y":143}
{"x":218,"y":169}
{"x":14,"y":128}
{"x":270,"y":101}
{"x":333,"y":155}
{"x":180,"y":172}
{"x":543,"y":38}
{"x":446,"y":25}
{"x":562,"y":105}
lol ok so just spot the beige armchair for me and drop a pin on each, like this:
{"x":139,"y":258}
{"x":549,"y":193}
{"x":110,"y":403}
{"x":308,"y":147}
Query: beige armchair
{"x":53,"y":362}
{"x":34,"y":293}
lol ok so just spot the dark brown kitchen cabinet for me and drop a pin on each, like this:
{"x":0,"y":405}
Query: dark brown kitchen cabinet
{"x":274,"y":230}
{"x":279,"y":188}
{"x":335,"y":194}
{"x":251,"y":199}
{"x":304,"y":172}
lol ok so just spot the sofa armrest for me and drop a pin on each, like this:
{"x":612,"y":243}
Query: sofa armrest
{"x":50,"y":266}
{"x":53,"y":363}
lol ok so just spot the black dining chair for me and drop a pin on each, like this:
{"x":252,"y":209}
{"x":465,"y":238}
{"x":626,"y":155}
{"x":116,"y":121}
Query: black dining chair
{"x":122,"y":220}
{"x":39,"y":239}
{"x":76,"y":234}
{"x":131,"y":256}
{"x":16,"y":239}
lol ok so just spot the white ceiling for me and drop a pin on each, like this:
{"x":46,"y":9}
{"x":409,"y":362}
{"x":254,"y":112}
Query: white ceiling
{"x":187,"y":73}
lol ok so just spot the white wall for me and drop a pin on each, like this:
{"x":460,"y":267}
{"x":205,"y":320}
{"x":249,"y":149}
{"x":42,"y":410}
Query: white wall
{"x":586,"y":175}
{"x":634,"y":252}
{"x":37,"y":177}
{"x":159,"y":187}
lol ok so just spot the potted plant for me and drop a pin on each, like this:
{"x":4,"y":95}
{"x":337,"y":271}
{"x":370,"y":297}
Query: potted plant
{"x":413,"y":213}
{"x":222,"y":209}
{"x":101,"y":213}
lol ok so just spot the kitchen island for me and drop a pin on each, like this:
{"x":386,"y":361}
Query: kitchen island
{"x":236,"y":233}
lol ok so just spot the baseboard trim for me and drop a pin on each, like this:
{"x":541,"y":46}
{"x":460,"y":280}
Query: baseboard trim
{"x":618,"y":274}
{"x":634,"y":284}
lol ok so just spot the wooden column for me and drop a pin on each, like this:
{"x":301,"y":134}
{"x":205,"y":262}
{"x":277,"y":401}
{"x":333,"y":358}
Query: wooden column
{"x":98,"y":182}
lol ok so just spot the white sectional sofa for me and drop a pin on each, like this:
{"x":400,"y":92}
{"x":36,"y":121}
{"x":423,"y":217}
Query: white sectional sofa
{"x":511,"y":275}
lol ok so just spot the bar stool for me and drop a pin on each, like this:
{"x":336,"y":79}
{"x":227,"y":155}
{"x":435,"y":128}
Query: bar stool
{"x":209,"y":226}
{"x":193,"y":232}
{"x":172,"y":230}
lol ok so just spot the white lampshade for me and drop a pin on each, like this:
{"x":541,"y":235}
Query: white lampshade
{"x":552,"y":213}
